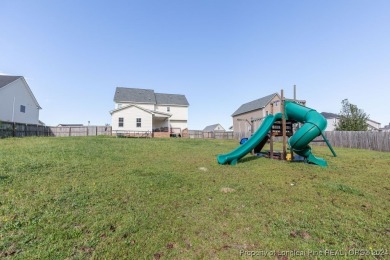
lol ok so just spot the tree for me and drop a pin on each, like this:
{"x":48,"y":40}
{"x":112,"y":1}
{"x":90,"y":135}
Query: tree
{"x":352,"y":118}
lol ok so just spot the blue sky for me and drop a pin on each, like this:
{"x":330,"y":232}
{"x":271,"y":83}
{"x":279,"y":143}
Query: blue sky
{"x":219,"y":53}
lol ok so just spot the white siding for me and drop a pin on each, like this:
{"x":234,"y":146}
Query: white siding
{"x":331,"y":124}
{"x":373,"y":124}
{"x":219,"y":128}
{"x":178,"y":112}
{"x":130,"y":116}
{"x":20,"y":92}
{"x":177,"y":120}
{"x":179,"y":124}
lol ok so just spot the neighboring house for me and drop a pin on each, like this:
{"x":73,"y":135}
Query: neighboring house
{"x":248,"y":117}
{"x":214,"y":128}
{"x":386,"y":128}
{"x":373,"y":125}
{"x":333,"y":120}
{"x":70,"y":125}
{"x":17,"y":102}
{"x":144,"y":110}
{"x":256,"y":109}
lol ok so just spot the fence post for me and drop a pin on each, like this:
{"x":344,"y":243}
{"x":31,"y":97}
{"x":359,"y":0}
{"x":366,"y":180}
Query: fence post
{"x":13,"y":129}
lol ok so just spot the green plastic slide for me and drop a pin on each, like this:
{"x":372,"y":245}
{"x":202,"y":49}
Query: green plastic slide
{"x":313,"y":125}
{"x":232,"y":157}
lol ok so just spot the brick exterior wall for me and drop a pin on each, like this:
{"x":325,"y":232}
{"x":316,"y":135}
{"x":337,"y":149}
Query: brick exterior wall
{"x":161,"y":135}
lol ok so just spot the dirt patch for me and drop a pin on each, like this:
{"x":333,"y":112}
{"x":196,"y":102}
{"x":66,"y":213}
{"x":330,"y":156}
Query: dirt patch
{"x":227,"y":190}
{"x":303,"y":234}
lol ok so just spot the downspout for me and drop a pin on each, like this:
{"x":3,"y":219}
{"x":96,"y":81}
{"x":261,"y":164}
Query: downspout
{"x":13,"y":110}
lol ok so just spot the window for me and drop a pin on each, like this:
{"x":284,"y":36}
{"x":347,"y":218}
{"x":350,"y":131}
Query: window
{"x":168,"y":109}
{"x":22,"y":109}
{"x":138,"y":122}
{"x":121,"y":121}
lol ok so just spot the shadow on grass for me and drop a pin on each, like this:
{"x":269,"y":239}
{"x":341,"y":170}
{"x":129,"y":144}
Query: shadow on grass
{"x":2,"y":177}
{"x":248,"y":159}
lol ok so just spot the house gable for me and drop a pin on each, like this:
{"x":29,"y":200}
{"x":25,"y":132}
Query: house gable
{"x":254,"y":105}
{"x":5,"y":82}
{"x":128,"y":117}
{"x":158,"y":113}
{"x":212,"y":128}
{"x":17,"y":102}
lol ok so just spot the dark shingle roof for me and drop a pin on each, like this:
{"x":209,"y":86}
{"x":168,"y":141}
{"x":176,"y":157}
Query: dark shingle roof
{"x":328,"y":115}
{"x":5,"y":80}
{"x":136,"y":95}
{"x":254,"y":105}
{"x":171,"y":99}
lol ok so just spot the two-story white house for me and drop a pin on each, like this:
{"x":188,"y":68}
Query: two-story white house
{"x":143,"y":110}
{"x":17,"y":102}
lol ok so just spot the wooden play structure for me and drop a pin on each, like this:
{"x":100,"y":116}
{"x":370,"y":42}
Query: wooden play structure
{"x":283,"y":128}
{"x":296,"y":121}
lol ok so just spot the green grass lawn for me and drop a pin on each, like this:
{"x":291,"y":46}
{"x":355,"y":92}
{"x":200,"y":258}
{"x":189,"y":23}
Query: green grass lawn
{"x":103,"y":197}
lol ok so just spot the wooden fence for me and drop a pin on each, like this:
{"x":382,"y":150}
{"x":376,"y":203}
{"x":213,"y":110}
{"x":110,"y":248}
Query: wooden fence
{"x":378,"y":141}
{"x":198,"y":134}
{"x":79,"y":131}
{"x":9,"y":129}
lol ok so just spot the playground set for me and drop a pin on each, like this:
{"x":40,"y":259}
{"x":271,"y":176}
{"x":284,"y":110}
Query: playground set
{"x":281,"y":124}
